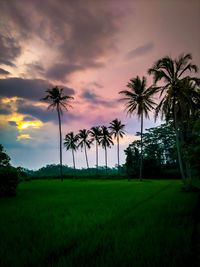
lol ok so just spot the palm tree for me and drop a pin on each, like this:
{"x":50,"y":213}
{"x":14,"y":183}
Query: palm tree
{"x":96,"y":133}
{"x":139,"y":99}
{"x":85,"y":142}
{"x":58,"y":101}
{"x":71,"y":143}
{"x":106,"y":141}
{"x":117,"y":130}
{"x":173,"y":74}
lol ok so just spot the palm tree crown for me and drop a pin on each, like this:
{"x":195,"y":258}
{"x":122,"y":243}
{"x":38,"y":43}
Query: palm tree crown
{"x":71,"y":141}
{"x":85,"y":142}
{"x":117,"y":129}
{"x":106,"y":138}
{"x":138,"y":97}
{"x":57,"y":99}
{"x":171,"y":71}
{"x":96,"y":133}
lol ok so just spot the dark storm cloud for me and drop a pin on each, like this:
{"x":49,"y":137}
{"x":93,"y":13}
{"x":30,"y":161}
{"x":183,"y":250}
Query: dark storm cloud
{"x":6,"y":62}
{"x":80,"y":31}
{"x":5,"y":108}
{"x":93,"y":98}
{"x":4,"y":111}
{"x":9,"y":50}
{"x":12,"y":123}
{"x":4,"y":72}
{"x":37,"y":112}
{"x":140,"y":51}
{"x":44,"y":115}
{"x":60,"y":71}
{"x":33,"y":89}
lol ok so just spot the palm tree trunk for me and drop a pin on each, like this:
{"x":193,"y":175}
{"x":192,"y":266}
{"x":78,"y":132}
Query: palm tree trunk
{"x":86,"y":158}
{"x":106,"y":160}
{"x":96,"y":156}
{"x":141,"y":145}
{"x":178,"y":148}
{"x":60,"y":133}
{"x":118,"y":152}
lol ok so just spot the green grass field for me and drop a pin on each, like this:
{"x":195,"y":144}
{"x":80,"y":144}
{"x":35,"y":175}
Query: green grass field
{"x":98,"y":223}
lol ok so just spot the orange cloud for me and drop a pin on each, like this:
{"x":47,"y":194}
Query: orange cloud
{"x":23,"y":136}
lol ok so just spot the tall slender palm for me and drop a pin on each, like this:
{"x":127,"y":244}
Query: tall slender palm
{"x":85,"y":142}
{"x":106,"y":141}
{"x":139,"y":99}
{"x":117,"y":129}
{"x":58,"y":101}
{"x":71,"y":141}
{"x":173,"y":73}
{"x":96,"y":133}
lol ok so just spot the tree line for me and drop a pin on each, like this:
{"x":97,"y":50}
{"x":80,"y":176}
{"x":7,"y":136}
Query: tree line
{"x":179,"y":96}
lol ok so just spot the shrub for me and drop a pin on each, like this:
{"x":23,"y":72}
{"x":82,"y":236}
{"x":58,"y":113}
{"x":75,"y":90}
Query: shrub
{"x":8,"y":181}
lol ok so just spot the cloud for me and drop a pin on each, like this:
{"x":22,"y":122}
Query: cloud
{"x":6,"y":62}
{"x":35,"y":112}
{"x":9,"y":50}
{"x":140,"y":51}
{"x":96,"y":84}
{"x":33,"y":89}
{"x":4,"y":111}
{"x":60,"y":71}
{"x":35,"y":69}
{"x":79,"y":33}
{"x":12,"y":123}
{"x":4,"y":72}
{"x":95,"y":99}
{"x":5,"y":108}
{"x":23,"y":136}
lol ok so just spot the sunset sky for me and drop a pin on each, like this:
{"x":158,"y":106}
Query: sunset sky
{"x":90,"y":48}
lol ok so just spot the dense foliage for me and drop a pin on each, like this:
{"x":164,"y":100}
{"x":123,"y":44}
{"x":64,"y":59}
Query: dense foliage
{"x":159,"y":154}
{"x":8,"y":175}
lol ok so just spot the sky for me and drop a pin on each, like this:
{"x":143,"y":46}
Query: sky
{"x":92,"y":49}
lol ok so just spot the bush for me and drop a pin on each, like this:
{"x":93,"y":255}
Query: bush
{"x":8,"y":181}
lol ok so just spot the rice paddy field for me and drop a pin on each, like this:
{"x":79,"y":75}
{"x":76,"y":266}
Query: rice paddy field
{"x":100,"y":223}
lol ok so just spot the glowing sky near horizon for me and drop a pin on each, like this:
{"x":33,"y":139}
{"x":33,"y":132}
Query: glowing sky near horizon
{"x":92,"y":49}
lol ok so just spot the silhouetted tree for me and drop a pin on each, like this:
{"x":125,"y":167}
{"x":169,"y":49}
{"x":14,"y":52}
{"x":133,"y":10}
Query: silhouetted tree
{"x":106,"y":141}
{"x":139,"y":99}
{"x":71,"y":141}
{"x":58,"y":101}
{"x":96,"y":133}
{"x":4,"y":158}
{"x":85,"y":142}
{"x":117,"y":129}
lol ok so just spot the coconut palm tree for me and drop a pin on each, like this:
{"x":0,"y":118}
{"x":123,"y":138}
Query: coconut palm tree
{"x":96,"y":133}
{"x":58,"y":101}
{"x":71,"y":141}
{"x":117,"y":129}
{"x":106,"y":141}
{"x":174,"y":73}
{"x":85,"y":142}
{"x":139,"y":99}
